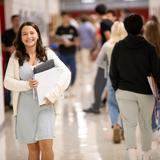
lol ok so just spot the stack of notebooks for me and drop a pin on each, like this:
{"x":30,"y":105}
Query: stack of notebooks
{"x":47,"y":76}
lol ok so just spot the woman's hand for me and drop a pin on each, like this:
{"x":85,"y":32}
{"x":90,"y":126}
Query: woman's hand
{"x":47,"y":101}
{"x":33,"y":83}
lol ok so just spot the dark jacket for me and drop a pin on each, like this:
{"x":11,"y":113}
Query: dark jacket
{"x":133,"y":59}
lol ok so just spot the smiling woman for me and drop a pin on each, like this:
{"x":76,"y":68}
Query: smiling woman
{"x":29,"y":36}
{"x":34,"y":124}
{"x":29,"y":43}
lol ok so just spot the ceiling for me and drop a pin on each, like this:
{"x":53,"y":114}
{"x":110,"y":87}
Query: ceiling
{"x":72,"y":5}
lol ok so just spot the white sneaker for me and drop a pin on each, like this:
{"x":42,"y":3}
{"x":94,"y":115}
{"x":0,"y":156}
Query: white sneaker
{"x":132,"y":153}
{"x":146,"y":155}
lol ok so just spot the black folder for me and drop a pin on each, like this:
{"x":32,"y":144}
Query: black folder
{"x":44,"y":66}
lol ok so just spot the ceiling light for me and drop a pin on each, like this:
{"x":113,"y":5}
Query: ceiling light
{"x":88,"y":1}
{"x":129,"y":0}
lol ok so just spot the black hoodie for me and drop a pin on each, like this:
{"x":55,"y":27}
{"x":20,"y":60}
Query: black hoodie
{"x":133,"y":59}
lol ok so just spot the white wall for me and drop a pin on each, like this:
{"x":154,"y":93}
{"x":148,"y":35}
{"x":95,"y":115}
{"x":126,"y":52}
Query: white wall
{"x":38,"y":11}
{"x":53,"y":6}
{"x":8,"y":12}
{"x":154,"y":8}
{"x":1,"y":89}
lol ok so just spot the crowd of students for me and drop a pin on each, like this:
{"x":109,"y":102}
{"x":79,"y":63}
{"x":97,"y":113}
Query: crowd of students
{"x":126,"y":50}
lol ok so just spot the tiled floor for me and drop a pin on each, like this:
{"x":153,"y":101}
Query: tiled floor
{"x":79,"y":136}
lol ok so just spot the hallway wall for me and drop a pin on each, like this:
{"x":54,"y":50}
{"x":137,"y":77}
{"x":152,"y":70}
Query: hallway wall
{"x":154,"y":8}
{"x":77,"y":5}
{"x":1,"y":91}
{"x":36,"y":11}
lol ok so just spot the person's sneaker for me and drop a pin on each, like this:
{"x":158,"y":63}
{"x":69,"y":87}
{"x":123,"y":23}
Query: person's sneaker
{"x":116,"y":134}
{"x":8,"y":107}
{"x":91,"y":110}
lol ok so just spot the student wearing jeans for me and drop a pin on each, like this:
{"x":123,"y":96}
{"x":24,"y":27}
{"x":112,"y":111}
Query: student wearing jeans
{"x":152,"y":35}
{"x":133,"y":59}
{"x":118,"y":32}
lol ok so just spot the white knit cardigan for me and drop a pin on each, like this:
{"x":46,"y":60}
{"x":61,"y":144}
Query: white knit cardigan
{"x":12,"y":79}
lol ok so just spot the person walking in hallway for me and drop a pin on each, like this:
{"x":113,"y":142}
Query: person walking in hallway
{"x":87,"y":36}
{"x":35,"y":125}
{"x":67,"y":38}
{"x":8,"y":36}
{"x":118,"y":32}
{"x":133,"y":59}
{"x":152,"y":35}
{"x":107,"y":18}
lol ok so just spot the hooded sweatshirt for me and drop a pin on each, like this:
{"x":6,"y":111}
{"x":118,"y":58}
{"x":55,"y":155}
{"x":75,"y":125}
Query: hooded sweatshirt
{"x":133,"y":59}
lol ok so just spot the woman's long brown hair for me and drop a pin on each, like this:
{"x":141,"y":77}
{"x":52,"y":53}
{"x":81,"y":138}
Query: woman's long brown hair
{"x":152,"y":34}
{"x":21,"y":53}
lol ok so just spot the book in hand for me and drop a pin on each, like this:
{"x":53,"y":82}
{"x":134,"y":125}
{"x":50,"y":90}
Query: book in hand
{"x":47,"y":76}
{"x":44,"y":66}
{"x":47,"y":82}
{"x":41,"y":68}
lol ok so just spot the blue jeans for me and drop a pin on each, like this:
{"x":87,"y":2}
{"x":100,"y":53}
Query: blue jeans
{"x":154,"y":123}
{"x":70,"y":62}
{"x":112,"y":104}
{"x":155,"y":120}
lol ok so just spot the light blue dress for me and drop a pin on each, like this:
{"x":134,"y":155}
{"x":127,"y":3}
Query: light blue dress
{"x":33,"y":122}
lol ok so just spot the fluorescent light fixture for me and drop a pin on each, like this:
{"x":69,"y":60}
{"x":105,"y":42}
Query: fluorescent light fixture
{"x":88,"y":1}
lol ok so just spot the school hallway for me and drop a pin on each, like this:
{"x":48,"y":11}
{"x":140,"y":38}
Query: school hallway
{"x":79,"y":136}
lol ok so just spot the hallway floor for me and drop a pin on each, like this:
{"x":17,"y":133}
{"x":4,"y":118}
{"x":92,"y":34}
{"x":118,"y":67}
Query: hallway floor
{"x":79,"y":136}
